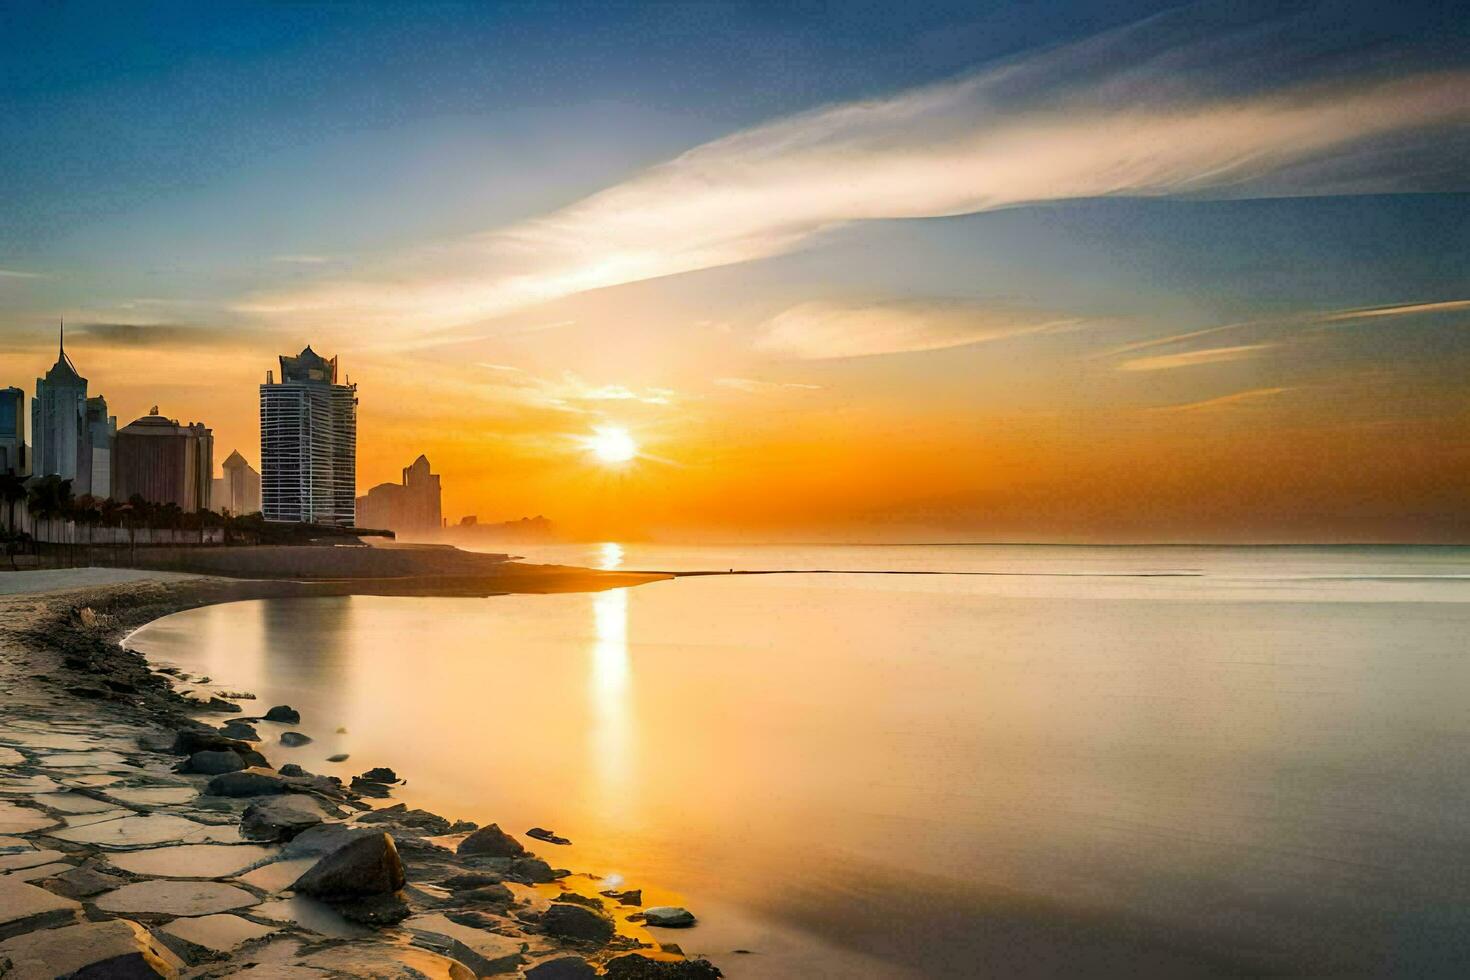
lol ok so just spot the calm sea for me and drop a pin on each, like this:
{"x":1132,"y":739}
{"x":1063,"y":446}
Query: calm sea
{"x":1045,"y":761}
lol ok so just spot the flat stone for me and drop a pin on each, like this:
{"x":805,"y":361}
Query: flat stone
{"x":220,"y":933}
{"x":85,"y":882}
{"x":40,"y":740}
{"x":22,"y":820}
{"x":37,"y":873}
{"x":28,"y":859}
{"x":154,"y":795}
{"x":10,"y":757}
{"x":126,"y":833}
{"x":175,"y":898}
{"x":25,"y":907}
{"x":115,"y":948}
{"x":73,"y":803}
{"x":95,"y":817}
{"x":9,"y":845}
{"x":193,"y":860}
{"x":66,"y":760}
{"x":92,"y":780}
{"x":278,"y":875}
{"x":484,"y":952}
{"x":377,"y":961}
{"x":28,"y":785}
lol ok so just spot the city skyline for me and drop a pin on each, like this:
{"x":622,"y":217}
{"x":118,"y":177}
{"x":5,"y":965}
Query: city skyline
{"x":1105,"y":272}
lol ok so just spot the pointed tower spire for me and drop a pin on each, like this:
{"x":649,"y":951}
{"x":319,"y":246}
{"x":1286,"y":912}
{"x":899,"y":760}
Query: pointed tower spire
{"x":61,"y":341}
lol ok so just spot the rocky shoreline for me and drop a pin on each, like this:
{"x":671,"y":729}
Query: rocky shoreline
{"x":136,"y":840}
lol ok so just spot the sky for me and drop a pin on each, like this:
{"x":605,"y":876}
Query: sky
{"x":1042,"y":271}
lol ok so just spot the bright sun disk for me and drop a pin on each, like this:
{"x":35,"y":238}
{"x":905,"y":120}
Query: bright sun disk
{"x":612,"y":445}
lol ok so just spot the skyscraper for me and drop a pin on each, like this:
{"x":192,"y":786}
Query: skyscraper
{"x":412,"y":506}
{"x":308,"y":443}
{"x":13,"y":431}
{"x":164,"y":462}
{"x":59,"y":443}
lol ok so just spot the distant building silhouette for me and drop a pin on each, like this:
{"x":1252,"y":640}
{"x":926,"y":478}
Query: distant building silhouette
{"x":101,"y":436}
{"x":60,"y":445}
{"x":13,"y":431}
{"x":308,"y":443}
{"x":164,"y":462}
{"x":412,"y":506}
{"x":238,"y":491}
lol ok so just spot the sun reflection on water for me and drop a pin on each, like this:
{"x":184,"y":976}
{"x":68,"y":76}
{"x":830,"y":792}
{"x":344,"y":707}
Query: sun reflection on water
{"x":611,"y":742}
{"x":609,"y":555}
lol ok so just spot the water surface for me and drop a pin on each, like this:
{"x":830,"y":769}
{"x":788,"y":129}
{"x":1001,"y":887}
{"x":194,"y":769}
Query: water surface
{"x":1156,"y":761}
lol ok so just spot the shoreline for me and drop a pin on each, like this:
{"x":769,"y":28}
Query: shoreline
{"x":90,"y":746}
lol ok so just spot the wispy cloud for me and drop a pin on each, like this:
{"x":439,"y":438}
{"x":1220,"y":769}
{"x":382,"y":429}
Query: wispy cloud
{"x":1407,"y":309}
{"x":1049,"y":129}
{"x":755,"y":386}
{"x":821,"y":330}
{"x":1224,"y":401}
{"x":18,"y":274}
{"x":302,"y":259}
{"x":1210,"y":355}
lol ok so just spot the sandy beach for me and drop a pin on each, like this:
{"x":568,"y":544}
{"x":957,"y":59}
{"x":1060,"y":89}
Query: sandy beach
{"x":136,"y":837}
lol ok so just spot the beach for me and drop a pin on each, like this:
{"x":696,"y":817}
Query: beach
{"x":135,"y":839}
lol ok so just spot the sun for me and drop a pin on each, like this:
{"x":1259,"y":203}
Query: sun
{"x":611,"y":444}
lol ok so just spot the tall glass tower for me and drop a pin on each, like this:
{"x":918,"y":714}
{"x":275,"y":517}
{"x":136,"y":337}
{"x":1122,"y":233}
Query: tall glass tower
{"x":308,"y":443}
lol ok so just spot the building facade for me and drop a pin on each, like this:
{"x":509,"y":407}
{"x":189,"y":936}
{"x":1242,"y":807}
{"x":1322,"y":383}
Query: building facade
{"x":308,"y":443}
{"x":59,"y":442}
{"x":13,"y":432}
{"x":238,"y":491}
{"x":164,"y":462}
{"x":410,"y":507}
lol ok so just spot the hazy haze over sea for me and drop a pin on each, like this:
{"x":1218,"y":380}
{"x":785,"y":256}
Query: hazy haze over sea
{"x":1158,"y":760}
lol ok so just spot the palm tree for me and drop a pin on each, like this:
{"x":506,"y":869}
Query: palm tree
{"x":12,"y":492}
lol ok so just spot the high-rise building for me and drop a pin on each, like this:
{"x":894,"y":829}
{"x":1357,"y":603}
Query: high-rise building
{"x":101,"y":433}
{"x":308,"y":443}
{"x":13,"y":431}
{"x":164,"y":462}
{"x":59,"y":443}
{"x":238,"y":491}
{"x":404,"y":508}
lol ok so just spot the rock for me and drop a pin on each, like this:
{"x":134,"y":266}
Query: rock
{"x":468,"y":880}
{"x":281,"y":818}
{"x":491,"y":841}
{"x":633,"y":896}
{"x":324,"y":839}
{"x":377,"y":791}
{"x":292,"y":770}
{"x":294,"y":739}
{"x":247,"y":782}
{"x":575,"y":899}
{"x":339,"y":757}
{"x":576,"y":922}
{"x":115,"y":948}
{"x":668,"y":917}
{"x":156,"y":742}
{"x":562,"y":968}
{"x":533,"y":870}
{"x":25,"y":907}
{"x":382,"y":774}
{"x":463,"y":827}
{"x":219,"y":704}
{"x":364,"y":867}
{"x":496,"y":894}
{"x":84,"y":882}
{"x":241,"y":730}
{"x":542,"y":834}
{"x":189,"y":741}
{"x":284,"y":713}
{"x":636,"y":966}
{"x":475,"y":919}
{"x":212,"y":763}
{"x":401,"y":816}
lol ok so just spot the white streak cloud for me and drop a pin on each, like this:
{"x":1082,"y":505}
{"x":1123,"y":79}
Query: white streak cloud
{"x":822,"y":330}
{"x":1210,"y":355}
